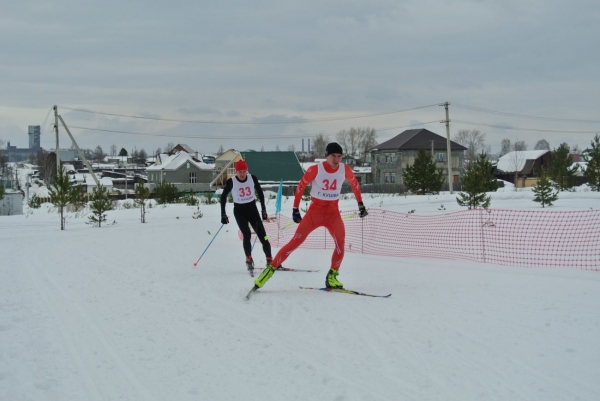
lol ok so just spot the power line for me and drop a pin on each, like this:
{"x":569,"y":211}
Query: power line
{"x":292,"y":136}
{"x":43,"y":129}
{"x":524,"y":115}
{"x":190,"y":136}
{"x":524,"y":129}
{"x":299,"y":121}
{"x":406,"y":126}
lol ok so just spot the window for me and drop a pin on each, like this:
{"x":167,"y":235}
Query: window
{"x":193,"y":177}
{"x":393,"y":178}
{"x":440,"y":157}
{"x":387,"y":178}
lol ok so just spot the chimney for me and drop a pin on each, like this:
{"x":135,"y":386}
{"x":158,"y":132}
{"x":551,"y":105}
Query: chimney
{"x":308,"y":145}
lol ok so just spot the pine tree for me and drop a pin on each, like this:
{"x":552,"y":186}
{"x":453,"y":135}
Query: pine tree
{"x":141,"y":194}
{"x":544,"y":191}
{"x":423,"y":177}
{"x":476,"y":181}
{"x":561,"y":169}
{"x":63,"y":194}
{"x":592,"y":171}
{"x":166,"y":193}
{"x":100,"y":204}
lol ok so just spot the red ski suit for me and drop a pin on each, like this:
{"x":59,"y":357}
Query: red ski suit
{"x":320,"y":213}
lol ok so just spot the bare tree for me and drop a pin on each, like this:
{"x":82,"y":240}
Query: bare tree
{"x":142,"y":156}
{"x":505,"y":146}
{"x":357,"y":141}
{"x":113,"y":150}
{"x":542,"y":144}
{"x":220,"y":151}
{"x":575,"y":149}
{"x":348,"y":140}
{"x":277,"y":148}
{"x":473,"y":140}
{"x":516,"y":163}
{"x":368,"y":140}
{"x":46,"y":169}
{"x":134,"y":156}
{"x":3,"y":165}
{"x":292,"y":148}
{"x":169,"y":147}
{"x":98,"y":153}
{"x":319,"y":144}
{"x":520,"y":146}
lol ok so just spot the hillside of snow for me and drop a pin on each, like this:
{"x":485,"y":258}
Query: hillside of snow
{"x":121,"y":313}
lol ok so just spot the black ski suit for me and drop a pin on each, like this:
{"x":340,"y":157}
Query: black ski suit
{"x":247,"y":214}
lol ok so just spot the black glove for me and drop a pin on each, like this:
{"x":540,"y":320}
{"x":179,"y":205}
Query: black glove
{"x":296,"y":215}
{"x":265,"y":216}
{"x":224,"y":219}
{"x":362,"y":210}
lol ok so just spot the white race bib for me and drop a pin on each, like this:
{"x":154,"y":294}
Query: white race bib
{"x":243,"y":192}
{"x":328,"y":186}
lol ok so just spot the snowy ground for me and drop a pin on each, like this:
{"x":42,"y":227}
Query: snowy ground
{"x":121,"y":313}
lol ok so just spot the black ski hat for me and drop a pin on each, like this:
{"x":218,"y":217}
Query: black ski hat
{"x":333,"y":147}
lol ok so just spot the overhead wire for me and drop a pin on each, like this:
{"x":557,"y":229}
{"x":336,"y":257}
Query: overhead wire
{"x":341,"y":118}
{"x":571,"y":120}
{"x":254,"y":122}
{"x":291,"y":136}
{"x":524,"y":129}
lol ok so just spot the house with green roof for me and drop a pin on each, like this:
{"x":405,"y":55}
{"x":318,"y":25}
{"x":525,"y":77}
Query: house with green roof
{"x":273,"y":167}
{"x":269,"y":167}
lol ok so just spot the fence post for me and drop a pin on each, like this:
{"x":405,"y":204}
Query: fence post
{"x":362,"y":236}
{"x":482,"y":238}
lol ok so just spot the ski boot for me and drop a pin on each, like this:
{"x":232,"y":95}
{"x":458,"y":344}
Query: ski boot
{"x":331,"y":280}
{"x":264,"y":276}
{"x":250,"y":264}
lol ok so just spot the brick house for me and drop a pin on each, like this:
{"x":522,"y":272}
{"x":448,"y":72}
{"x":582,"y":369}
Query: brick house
{"x":390,"y":158}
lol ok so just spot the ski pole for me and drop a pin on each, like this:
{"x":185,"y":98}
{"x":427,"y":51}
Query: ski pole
{"x":254,"y":243}
{"x":196,"y":264}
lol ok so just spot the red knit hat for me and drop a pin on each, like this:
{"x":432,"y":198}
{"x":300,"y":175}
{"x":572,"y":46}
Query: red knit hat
{"x":241,"y":165}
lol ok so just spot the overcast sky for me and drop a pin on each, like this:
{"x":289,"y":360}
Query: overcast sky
{"x":296,"y":69}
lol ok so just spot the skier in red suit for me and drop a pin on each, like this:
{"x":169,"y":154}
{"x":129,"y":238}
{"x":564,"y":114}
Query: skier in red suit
{"x":327,"y":179}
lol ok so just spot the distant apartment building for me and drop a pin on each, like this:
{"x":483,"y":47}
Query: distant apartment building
{"x":15,"y":154}
{"x":34,"y":137}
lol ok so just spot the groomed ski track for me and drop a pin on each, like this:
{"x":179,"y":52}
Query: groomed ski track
{"x":132,"y":319}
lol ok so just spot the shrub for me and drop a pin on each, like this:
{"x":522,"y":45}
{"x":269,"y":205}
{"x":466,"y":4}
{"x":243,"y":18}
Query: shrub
{"x":166,"y":193}
{"x":35,"y":202}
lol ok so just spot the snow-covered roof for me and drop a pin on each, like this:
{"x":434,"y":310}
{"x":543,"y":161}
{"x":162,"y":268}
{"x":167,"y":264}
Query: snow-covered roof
{"x":89,"y":180}
{"x":175,"y":161}
{"x":306,"y":165}
{"x":363,"y":170}
{"x":123,"y":159}
{"x":515,"y":161}
{"x":356,"y":169}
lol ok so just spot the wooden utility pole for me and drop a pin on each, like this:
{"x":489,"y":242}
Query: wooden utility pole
{"x":57,"y":147}
{"x":448,"y":150}
{"x":85,"y":161}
